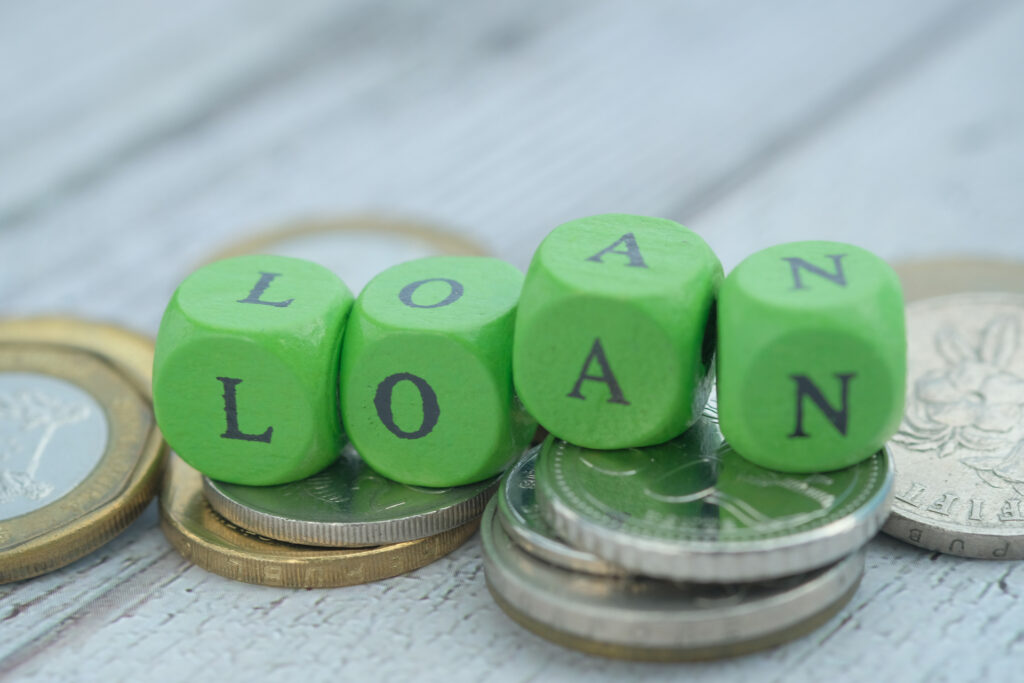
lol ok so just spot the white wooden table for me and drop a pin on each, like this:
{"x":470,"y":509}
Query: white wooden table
{"x":136,"y":137}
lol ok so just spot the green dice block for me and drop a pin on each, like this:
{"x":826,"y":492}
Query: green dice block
{"x":614,"y":343}
{"x":426,"y":372}
{"x":246,"y":369}
{"x":811,"y":356}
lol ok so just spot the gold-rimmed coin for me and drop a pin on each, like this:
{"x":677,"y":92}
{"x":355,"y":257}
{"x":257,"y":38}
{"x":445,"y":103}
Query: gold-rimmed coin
{"x":941,"y":276}
{"x":130,"y":352}
{"x":213,"y":543}
{"x":357,"y":247}
{"x":442,"y":240}
{"x":79,"y":456}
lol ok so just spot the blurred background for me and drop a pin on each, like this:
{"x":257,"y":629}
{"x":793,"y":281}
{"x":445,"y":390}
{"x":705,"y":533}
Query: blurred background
{"x":139,"y":138}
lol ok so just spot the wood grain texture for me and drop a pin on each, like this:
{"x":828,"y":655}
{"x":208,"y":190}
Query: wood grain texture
{"x":927,"y":166}
{"x":136,"y":138}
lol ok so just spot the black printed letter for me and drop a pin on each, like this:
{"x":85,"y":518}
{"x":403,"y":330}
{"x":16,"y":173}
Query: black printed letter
{"x":261,"y":286}
{"x":838,"y":418}
{"x":431,"y":409}
{"x":405,"y":296}
{"x":231,"y":411}
{"x":628,"y":241}
{"x":606,"y":376}
{"x":796,"y":264}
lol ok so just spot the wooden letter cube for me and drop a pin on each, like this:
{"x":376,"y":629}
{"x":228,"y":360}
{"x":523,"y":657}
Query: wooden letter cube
{"x":811,"y":356}
{"x":426,"y":372}
{"x":246,"y":369}
{"x":613,"y":345}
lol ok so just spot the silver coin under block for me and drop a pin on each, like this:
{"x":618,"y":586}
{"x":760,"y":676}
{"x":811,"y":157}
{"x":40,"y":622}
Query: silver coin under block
{"x":520,"y":516}
{"x":959,"y":454}
{"x":693,"y":509}
{"x":347,"y":505}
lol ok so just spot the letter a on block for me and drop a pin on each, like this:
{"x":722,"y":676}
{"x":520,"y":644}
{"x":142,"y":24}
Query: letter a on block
{"x":629,"y":249}
{"x":839,"y":418}
{"x":606,"y":376}
{"x":796,"y":263}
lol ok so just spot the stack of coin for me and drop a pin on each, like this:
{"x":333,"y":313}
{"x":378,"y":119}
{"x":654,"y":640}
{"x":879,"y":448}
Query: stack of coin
{"x":342,"y":526}
{"x":79,"y":447}
{"x":679,"y":551}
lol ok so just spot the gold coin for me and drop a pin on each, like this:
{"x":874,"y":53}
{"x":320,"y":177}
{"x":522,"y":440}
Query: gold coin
{"x":439,"y":239}
{"x":130,"y":352}
{"x":213,"y":543}
{"x":939,"y":277}
{"x":355,"y":247}
{"x":79,"y":456}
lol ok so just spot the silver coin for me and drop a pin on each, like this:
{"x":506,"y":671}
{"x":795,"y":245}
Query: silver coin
{"x":43,"y":421}
{"x":521,"y":518}
{"x":347,"y":505}
{"x":959,"y":453}
{"x":641,"y":618}
{"x":692,"y":509}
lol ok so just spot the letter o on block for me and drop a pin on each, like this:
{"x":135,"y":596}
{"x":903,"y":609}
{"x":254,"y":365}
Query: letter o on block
{"x":426,"y":372}
{"x":246,"y":369}
{"x":615,"y":337}
{"x":811,"y":356}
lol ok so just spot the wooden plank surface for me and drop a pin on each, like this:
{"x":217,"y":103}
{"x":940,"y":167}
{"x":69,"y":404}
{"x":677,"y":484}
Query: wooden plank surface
{"x":138,"y":138}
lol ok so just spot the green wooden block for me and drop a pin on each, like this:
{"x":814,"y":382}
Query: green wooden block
{"x":811,"y":356}
{"x":246,"y":369}
{"x":426,"y":372}
{"x":613,"y":345}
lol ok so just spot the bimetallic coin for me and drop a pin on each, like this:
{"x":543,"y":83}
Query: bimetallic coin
{"x":651,"y":619}
{"x":522,"y":520}
{"x":219,"y":546}
{"x":347,"y":505}
{"x":129,"y":352}
{"x":693,"y":509}
{"x":79,"y":456}
{"x":959,"y":453}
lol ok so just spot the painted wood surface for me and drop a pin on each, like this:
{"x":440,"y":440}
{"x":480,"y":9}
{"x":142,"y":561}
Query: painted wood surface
{"x":136,"y":138}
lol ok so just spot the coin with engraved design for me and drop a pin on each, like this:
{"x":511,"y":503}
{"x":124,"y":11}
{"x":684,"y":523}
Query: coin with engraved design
{"x":632,"y":617}
{"x":693,"y":509}
{"x":522,"y":520}
{"x":347,"y":505}
{"x":79,"y":455}
{"x":959,"y":454}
